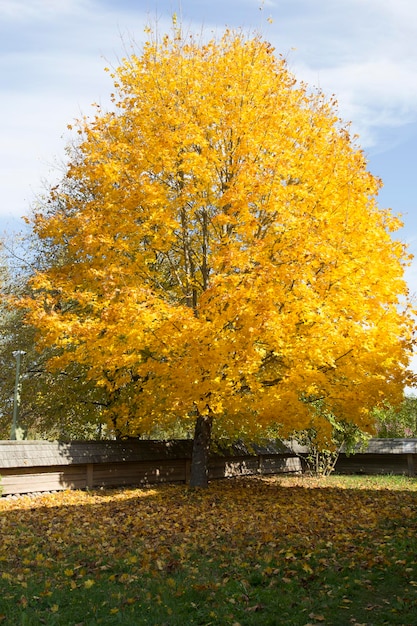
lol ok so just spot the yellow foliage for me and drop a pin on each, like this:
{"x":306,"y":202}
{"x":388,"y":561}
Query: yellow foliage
{"x":224,"y":250}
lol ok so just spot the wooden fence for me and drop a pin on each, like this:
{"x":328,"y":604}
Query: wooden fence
{"x":35,"y":466}
{"x":381,"y":456}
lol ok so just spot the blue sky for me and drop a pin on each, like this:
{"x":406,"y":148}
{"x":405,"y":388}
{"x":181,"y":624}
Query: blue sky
{"x":53,"y":53}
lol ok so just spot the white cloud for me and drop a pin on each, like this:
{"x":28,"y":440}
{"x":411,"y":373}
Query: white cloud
{"x":52,"y":63}
{"x":374,"y":94}
{"x":23,"y":10}
{"x":361,"y":50}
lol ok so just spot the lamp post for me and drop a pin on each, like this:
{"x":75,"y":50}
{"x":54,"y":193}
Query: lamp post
{"x":18,"y":356}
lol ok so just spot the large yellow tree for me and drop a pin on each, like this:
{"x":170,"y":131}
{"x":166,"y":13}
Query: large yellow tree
{"x":227,"y":264}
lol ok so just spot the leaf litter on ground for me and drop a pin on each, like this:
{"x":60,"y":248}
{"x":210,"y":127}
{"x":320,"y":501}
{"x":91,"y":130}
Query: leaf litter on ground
{"x":244,"y":551}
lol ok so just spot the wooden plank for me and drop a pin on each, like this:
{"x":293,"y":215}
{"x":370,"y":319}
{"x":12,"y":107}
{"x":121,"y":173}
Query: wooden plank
{"x":36,"y":453}
{"x":372,"y":464}
{"x":220,"y":467}
{"x":390,"y":446}
{"x":138,"y":473}
{"x":281,"y":465}
{"x":42,"y":479}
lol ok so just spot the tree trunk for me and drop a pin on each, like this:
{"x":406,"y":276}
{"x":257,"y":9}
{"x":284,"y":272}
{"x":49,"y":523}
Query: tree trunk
{"x":201,"y":450}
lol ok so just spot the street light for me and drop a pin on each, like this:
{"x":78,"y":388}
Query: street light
{"x":18,"y":355}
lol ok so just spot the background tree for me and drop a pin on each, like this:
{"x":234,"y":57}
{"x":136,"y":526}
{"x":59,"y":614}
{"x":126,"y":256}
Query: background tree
{"x":55,"y":405}
{"x":397,"y":421}
{"x":226,"y":263}
{"x":58,"y":404}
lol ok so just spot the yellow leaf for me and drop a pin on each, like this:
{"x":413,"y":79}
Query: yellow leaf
{"x":89,"y":583}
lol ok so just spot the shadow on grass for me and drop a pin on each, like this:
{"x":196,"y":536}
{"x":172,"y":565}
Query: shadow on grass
{"x":250,"y":552}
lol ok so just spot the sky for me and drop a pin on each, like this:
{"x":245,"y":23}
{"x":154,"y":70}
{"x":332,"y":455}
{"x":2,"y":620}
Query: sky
{"x":53,"y":54}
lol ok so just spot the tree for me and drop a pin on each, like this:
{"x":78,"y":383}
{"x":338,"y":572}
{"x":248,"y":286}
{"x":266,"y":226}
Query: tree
{"x":397,"y":421}
{"x":58,"y":404}
{"x":227,"y":264}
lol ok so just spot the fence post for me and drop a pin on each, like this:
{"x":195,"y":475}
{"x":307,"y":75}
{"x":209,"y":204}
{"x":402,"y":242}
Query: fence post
{"x":89,"y":476}
{"x":260,"y":464}
{"x":410,"y":464}
{"x":187,"y":471}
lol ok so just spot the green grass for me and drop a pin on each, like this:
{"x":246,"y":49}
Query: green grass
{"x":292,"y":551}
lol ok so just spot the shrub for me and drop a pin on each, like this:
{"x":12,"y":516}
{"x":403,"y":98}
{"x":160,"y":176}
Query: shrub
{"x":325,"y":438}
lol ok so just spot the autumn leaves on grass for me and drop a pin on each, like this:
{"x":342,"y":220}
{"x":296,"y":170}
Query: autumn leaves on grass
{"x":245,"y":551}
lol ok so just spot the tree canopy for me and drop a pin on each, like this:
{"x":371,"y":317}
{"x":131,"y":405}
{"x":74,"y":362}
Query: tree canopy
{"x":59,"y":404}
{"x":225,"y":258}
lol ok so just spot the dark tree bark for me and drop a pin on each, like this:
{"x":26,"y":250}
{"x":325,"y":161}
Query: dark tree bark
{"x":201,"y":450}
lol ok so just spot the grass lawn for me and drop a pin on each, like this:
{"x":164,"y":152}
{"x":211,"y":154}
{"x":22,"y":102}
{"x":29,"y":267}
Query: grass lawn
{"x":339,"y":551}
